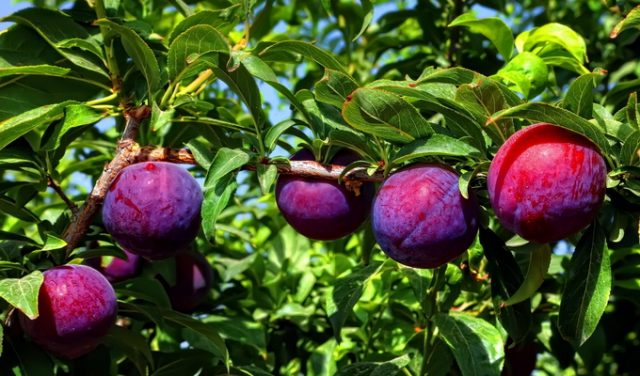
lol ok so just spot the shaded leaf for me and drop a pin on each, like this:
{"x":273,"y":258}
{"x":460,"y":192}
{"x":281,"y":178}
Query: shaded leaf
{"x":345,"y":293}
{"x":587,"y":289}
{"x":334,"y":87}
{"x":388,"y":368}
{"x":476,"y":345}
{"x":506,"y":278}
{"x":629,"y":152}
{"x":142,"y":55}
{"x":133,"y":345}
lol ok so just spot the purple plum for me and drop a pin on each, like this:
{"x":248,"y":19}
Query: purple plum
{"x":323,"y":209}
{"x":420,"y":219}
{"x":193,"y":281}
{"x":115,"y":268}
{"x":546,"y":183}
{"x":152,"y":209}
{"x":77,"y":307}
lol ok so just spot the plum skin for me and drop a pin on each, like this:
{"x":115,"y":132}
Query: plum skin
{"x":193,"y":281}
{"x":546,"y":183}
{"x":152,"y":209}
{"x":77,"y":307}
{"x":117,"y":269}
{"x":420,"y":219}
{"x":323,"y":209}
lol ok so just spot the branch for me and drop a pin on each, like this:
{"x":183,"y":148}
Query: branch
{"x":126,"y":154}
{"x":56,"y":188}
{"x":129,"y":152}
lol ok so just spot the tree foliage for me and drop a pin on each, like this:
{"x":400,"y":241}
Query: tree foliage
{"x":232,"y":88}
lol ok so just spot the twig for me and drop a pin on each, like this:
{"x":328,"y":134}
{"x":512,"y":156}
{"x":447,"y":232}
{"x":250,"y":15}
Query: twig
{"x":72,"y":206}
{"x":126,"y":154}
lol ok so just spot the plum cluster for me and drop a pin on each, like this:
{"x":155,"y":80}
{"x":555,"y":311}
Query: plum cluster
{"x":152,"y":210}
{"x":545,"y":183}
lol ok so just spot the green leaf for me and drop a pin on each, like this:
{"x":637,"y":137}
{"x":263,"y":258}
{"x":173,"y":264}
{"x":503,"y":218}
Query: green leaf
{"x":207,"y":17}
{"x":243,"y":84}
{"x":334,"y":87}
{"x":242,"y":331}
{"x":579,"y":97}
{"x":553,"y":36}
{"x":10,"y":207}
{"x":23,"y":293}
{"x":267,"y":175}
{"x":9,"y":68}
{"x":437,"y":144}
{"x":586,"y":292}
{"x":476,"y":345}
{"x":455,"y":76}
{"x":262,"y":71}
{"x":142,"y":55}
{"x":546,"y":113}
{"x":633,"y":116}
{"x":53,"y":242}
{"x":206,"y":331}
{"x":367,"y":8}
{"x":506,"y":278}
{"x":150,"y":290}
{"x":75,"y":115}
{"x":539,"y":260}
{"x":345,"y":293}
{"x":133,"y":345}
{"x":189,"y":46}
{"x":629,"y":152}
{"x":57,"y":29}
{"x":17,"y":126}
{"x":388,"y":368}
{"x":1,"y":337}
{"x":226,"y":161}
{"x":386,"y":115}
{"x":274,"y":133}
{"x":307,"y":50}
{"x":219,"y":185}
{"x":493,"y":28}
{"x":632,"y":20}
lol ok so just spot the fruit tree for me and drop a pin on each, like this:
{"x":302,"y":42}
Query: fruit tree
{"x":271,"y":187}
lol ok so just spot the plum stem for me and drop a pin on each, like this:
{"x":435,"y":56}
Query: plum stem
{"x":126,"y":153}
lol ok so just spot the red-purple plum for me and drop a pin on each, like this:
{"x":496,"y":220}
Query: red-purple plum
{"x":420,"y":219}
{"x":546,"y":183}
{"x":77,"y":307}
{"x":193,"y":281}
{"x":117,"y":269}
{"x":323,"y":209}
{"x":152,"y":209}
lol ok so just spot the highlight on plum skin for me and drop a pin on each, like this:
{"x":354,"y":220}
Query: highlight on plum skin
{"x":322,"y":209}
{"x":77,"y":307}
{"x":116,"y":269}
{"x":546,"y":183}
{"x":420,"y":218}
{"x":152,"y":209}
{"x":193,"y":281}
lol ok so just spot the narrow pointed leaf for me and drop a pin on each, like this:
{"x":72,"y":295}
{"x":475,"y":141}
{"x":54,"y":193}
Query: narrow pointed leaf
{"x":632,"y":20}
{"x":17,"y":126}
{"x":506,"y":278}
{"x":308,"y":50}
{"x":539,"y":260}
{"x":437,"y":144}
{"x":579,"y":97}
{"x":187,"y":48}
{"x":587,"y":289}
